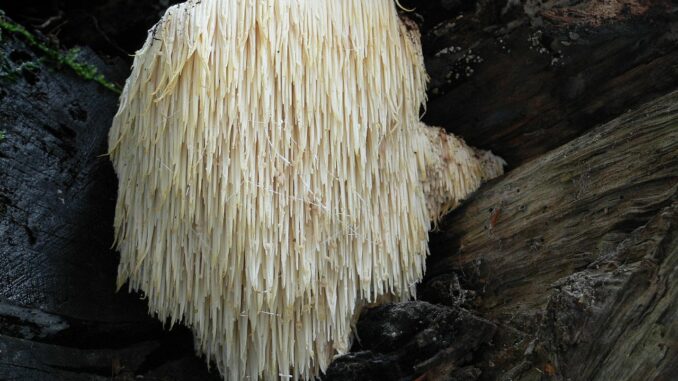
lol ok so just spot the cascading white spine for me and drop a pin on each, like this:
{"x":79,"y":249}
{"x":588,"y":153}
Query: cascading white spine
{"x":273,"y":175}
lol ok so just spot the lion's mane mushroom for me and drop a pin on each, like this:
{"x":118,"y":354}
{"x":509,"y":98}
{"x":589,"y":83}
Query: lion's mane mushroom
{"x":274,"y":176}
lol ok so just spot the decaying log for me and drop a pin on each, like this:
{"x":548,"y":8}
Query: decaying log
{"x":561,"y":212}
{"x":522,"y":78}
{"x":60,"y":315}
{"x":55,"y":189}
{"x":581,"y":244}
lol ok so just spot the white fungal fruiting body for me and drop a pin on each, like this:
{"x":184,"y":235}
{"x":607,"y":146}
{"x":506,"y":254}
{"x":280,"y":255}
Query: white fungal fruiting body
{"x":452,"y":169}
{"x":273,"y":175}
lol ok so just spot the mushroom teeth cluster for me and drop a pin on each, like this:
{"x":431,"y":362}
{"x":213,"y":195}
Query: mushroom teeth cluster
{"x":274,"y":175}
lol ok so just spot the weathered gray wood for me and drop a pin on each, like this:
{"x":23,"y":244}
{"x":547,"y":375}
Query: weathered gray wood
{"x":561,"y":212}
{"x":581,"y":244}
{"x":618,"y":319}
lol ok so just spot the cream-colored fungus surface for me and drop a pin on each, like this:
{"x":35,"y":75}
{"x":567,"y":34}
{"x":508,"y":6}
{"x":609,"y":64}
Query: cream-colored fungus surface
{"x":274,"y":175}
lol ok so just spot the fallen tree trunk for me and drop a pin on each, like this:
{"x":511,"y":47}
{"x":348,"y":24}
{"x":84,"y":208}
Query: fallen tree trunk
{"x":60,"y":315}
{"x":573,"y":257}
{"x":582,"y":242}
{"x":560,"y":213}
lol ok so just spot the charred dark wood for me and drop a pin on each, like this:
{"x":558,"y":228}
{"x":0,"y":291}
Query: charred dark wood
{"x":60,"y":315}
{"x":522,"y":78}
{"x":405,"y":340}
{"x":112,"y":27}
{"x":36,"y":345}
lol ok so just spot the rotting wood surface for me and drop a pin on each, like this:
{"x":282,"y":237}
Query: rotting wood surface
{"x":579,"y":267}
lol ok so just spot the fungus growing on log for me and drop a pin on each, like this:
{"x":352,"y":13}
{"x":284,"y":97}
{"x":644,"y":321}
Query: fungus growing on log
{"x":274,"y":175}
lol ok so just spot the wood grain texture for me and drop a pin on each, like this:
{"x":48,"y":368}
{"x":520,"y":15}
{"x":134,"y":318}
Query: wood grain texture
{"x":60,"y":315}
{"x":580,"y":263}
{"x":564,"y":210}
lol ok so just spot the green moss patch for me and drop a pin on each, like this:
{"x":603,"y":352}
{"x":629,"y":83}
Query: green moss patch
{"x":68,"y":59}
